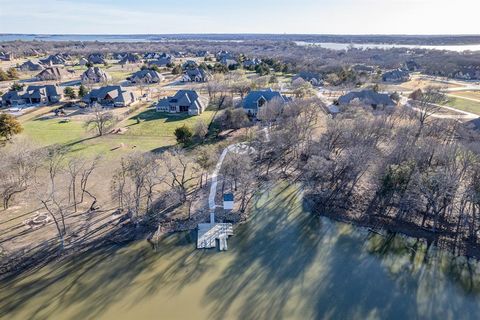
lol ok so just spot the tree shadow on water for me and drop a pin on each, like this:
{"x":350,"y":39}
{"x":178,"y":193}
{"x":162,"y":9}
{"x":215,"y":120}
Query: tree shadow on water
{"x":271,"y":257}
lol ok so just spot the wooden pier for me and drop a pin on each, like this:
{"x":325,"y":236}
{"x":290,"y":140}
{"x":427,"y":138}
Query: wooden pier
{"x":208,"y":233}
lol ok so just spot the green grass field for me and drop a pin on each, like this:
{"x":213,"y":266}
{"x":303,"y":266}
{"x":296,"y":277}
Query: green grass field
{"x":163,"y":124}
{"x":464,"y":104}
{"x":468,"y":94}
{"x":155,"y":131}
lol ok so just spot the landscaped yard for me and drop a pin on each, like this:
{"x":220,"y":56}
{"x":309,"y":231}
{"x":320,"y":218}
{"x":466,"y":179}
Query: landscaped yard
{"x":464,"y":104}
{"x":48,"y":131}
{"x":155,"y":130}
{"x":163,"y":124}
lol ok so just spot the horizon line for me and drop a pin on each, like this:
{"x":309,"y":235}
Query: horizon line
{"x":249,"y":33}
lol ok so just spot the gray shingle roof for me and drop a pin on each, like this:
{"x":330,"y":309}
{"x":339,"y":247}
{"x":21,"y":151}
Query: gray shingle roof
{"x":228,"y":61}
{"x":53,"y":73}
{"x":51,"y":92}
{"x":146,"y":76}
{"x":308,"y":76}
{"x":53,"y":59}
{"x":130,"y":58}
{"x":188,"y":98}
{"x":111,"y":93}
{"x":162,"y":61}
{"x":30,"y":66}
{"x":396,"y":75}
{"x":95,"y":74}
{"x":197,"y":72}
{"x":96,"y":58}
{"x":252,"y":98}
{"x":368,"y":97}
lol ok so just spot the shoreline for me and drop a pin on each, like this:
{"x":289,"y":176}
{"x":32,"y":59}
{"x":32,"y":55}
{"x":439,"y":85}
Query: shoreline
{"x":444,"y":240}
{"x":17,"y":264}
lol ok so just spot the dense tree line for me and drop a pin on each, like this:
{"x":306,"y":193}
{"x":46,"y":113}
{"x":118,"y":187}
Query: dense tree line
{"x":397,"y":167}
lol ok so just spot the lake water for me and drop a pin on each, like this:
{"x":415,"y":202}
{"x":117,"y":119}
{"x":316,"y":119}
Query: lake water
{"x":283,"y":264}
{"x":345,"y":46}
{"x":171,"y":38}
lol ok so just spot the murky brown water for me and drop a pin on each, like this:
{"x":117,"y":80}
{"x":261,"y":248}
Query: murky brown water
{"x":283,"y":264}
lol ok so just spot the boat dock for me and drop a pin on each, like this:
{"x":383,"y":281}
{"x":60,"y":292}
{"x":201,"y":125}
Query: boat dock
{"x":208,"y":233}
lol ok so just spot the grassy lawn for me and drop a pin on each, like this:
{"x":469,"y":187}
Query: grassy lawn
{"x":155,"y":131}
{"x":468,"y":94}
{"x":159,"y":124}
{"x":464,"y":104}
{"x":118,"y":76}
{"x":51,"y":131}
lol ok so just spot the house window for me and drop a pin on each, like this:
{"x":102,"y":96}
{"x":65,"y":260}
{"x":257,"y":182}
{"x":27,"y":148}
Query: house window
{"x":173,"y":109}
{"x":261,"y":102}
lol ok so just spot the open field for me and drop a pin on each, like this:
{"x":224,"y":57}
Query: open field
{"x":163,"y":124}
{"x":464,"y":104}
{"x":155,"y":130}
{"x":475,"y":95}
{"x":418,"y":82}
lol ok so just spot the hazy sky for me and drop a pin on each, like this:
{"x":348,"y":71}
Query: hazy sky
{"x":240,"y":16}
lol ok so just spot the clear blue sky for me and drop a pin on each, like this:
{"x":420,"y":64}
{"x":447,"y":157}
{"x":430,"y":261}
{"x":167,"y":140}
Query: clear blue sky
{"x":241,"y":16}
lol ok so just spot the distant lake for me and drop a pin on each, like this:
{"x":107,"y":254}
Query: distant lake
{"x":213,"y":38}
{"x":100,"y":38}
{"x":344,"y":46}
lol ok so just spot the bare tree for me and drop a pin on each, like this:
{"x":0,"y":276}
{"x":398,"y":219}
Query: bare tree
{"x":51,"y":195}
{"x":206,"y":158}
{"x":18,"y":169}
{"x":134,"y":183}
{"x":79,"y":171}
{"x":141,"y":84}
{"x":427,"y":103}
{"x":181,"y":169}
{"x":100,"y":121}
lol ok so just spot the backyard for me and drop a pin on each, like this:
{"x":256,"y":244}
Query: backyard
{"x":154,"y":130}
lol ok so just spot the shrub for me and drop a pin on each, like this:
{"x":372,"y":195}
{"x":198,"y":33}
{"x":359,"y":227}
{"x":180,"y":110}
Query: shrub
{"x":183,"y":134}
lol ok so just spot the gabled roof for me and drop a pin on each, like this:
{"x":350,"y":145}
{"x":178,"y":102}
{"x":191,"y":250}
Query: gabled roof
{"x":95,"y":74}
{"x":51,"y":73}
{"x":251,"y":62}
{"x":224,"y":54}
{"x":369,"y":97}
{"x":162,"y":61}
{"x":53,"y":59}
{"x":252,"y":98}
{"x":188,"y":98}
{"x":197,"y":72}
{"x":202,"y":53}
{"x":395,"y":75}
{"x":49,"y":89}
{"x":33,"y":92}
{"x":308,"y":75}
{"x":12,"y":95}
{"x":189,"y":64}
{"x":147,"y":75}
{"x":130,"y":58}
{"x":116,"y":93}
{"x":96,"y":58}
{"x":228,"y":61}
{"x":30,"y":66}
